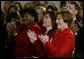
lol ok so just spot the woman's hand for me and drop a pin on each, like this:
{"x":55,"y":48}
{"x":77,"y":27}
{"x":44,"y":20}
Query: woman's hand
{"x":32,"y":36}
{"x":11,"y":28}
{"x":43,"y":38}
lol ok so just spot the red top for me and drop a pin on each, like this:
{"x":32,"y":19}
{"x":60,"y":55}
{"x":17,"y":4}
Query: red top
{"x":23,"y":46}
{"x":61,"y":44}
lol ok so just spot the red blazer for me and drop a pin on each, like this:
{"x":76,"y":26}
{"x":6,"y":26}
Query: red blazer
{"x":60,"y":44}
{"x":23,"y":46}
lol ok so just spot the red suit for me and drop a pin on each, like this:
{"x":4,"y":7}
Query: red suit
{"x":23,"y":46}
{"x":61,"y":44}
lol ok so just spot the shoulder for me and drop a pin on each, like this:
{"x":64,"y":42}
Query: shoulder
{"x":69,"y":34}
{"x":36,"y":28}
{"x":35,"y":25}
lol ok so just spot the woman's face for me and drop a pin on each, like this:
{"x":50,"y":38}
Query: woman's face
{"x":11,"y":26}
{"x":27,"y":18}
{"x":59,"y":21}
{"x":40,"y":15}
{"x":47,"y":21}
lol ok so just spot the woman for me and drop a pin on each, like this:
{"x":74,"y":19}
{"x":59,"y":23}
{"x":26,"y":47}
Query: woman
{"x":49,"y":24}
{"x":61,"y":43}
{"x":11,"y":27}
{"x":47,"y":28}
{"x":23,"y":47}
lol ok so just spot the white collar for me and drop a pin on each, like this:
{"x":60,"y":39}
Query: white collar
{"x":49,"y":28}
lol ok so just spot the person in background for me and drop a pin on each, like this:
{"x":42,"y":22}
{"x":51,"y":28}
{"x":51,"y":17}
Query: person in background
{"x":41,"y":11}
{"x":6,"y":6}
{"x":27,"y":5}
{"x":77,"y":27}
{"x":18,"y":6}
{"x":52,"y":10}
{"x":11,"y":27}
{"x":74,"y":8}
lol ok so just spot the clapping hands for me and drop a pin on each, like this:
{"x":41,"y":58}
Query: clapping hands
{"x":33,"y":37}
{"x":43,"y":38}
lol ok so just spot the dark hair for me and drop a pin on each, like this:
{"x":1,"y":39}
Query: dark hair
{"x":53,"y":8}
{"x":66,"y":16}
{"x":12,"y":15}
{"x":52,"y":15}
{"x":77,"y":7}
{"x":10,"y":9}
{"x":30,"y":11}
{"x":52,"y":12}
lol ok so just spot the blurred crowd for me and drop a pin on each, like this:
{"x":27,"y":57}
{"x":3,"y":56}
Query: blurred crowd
{"x":39,"y":31}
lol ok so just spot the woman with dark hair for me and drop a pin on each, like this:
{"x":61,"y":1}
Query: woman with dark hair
{"x":16,"y":7}
{"x":49,"y":24}
{"x":11,"y":27}
{"x":23,"y":47}
{"x":13,"y":15}
{"x":52,"y":10}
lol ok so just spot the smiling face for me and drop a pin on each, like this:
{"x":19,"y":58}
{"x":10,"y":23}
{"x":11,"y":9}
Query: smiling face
{"x":63,"y":19}
{"x":47,"y":21}
{"x":59,"y":21}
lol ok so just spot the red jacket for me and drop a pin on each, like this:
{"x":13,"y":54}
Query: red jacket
{"x":23,"y":46}
{"x":61,"y":44}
